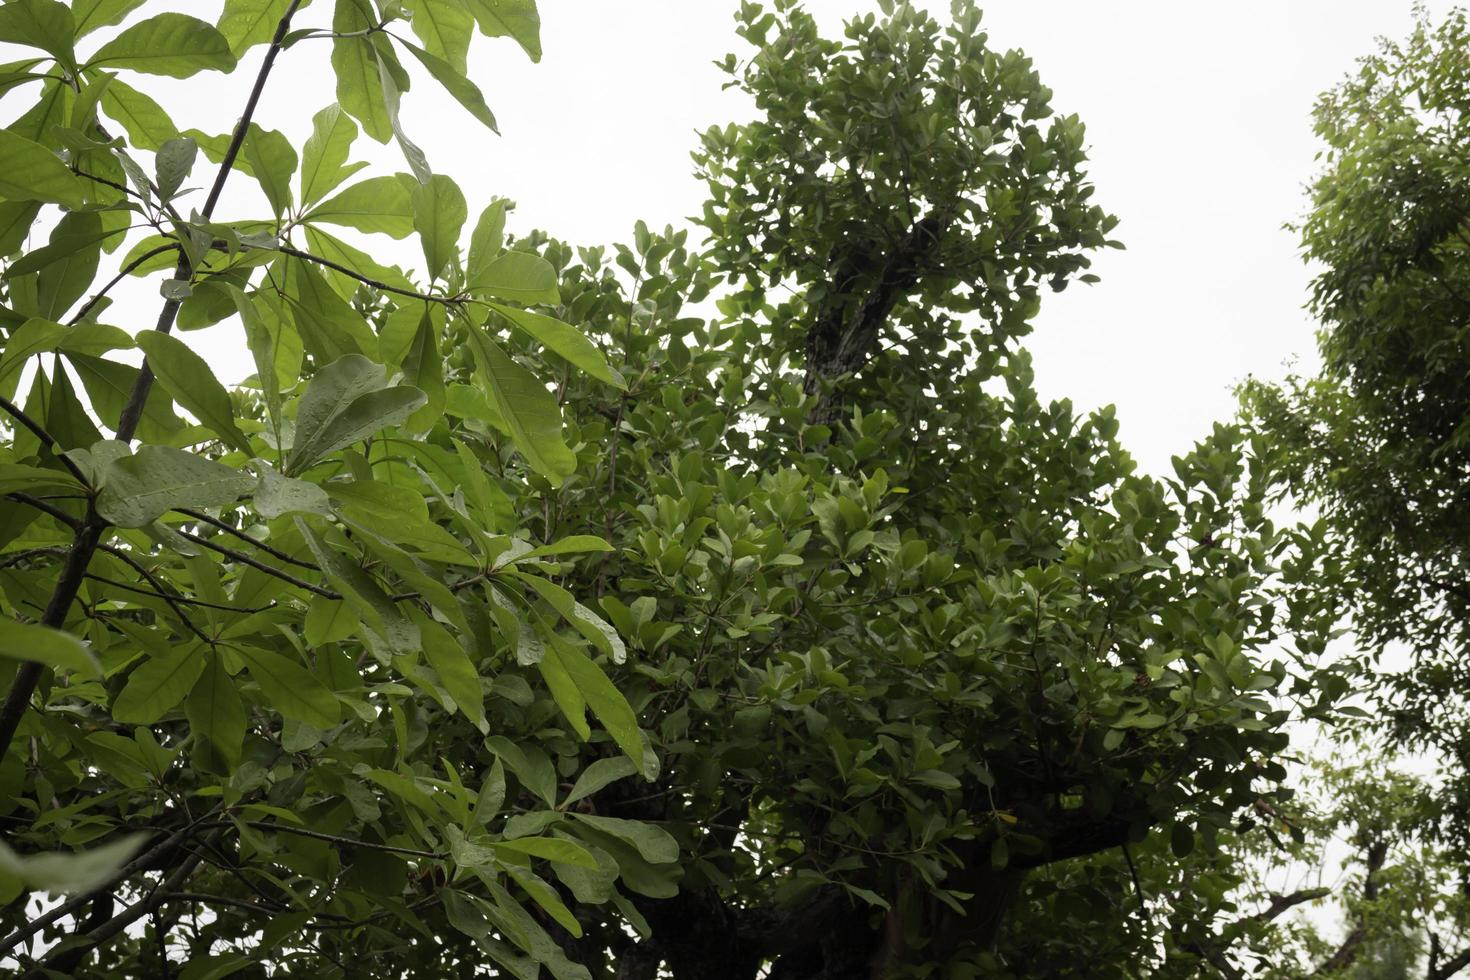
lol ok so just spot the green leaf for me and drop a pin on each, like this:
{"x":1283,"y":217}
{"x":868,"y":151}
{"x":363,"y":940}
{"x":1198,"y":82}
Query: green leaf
{"x":92,"y":14}
{"x":110,"y":384}
{"x":147,"y":125}
{"x":277,"y":495}
{"x":187,"y":377}
{"x":445,"y":27}
{"x":67,"y":873}
{"x":578,"y":616}
{"x":486,"y":241}
{"x":16,"y":218}
{"x":246,"y":23}
{"x":389,"y":74}
{"x":491,"y":796}
{"x":329,"y":328}
{"x":19,"y":476}
{"x":75,"y":231}
{"x":273,"y":162}
{"x":215,"y":711}
{"x":35,"y":336}
{"x":160,"y":683}
{"x":346,"y":402}
{"x":61,"y":283}
{"x":564,"y":339}
{"x":324,"y":157}
{"x":557,"y":849}
{"x":328,"y":621}
{"x":43,"y":24}
{"x":144,"y":486}
{"x":597,"y":775}
{"x":455,"y":669}
{"x":529,"y":410}
{"x":358,"y":587}
{"x":170,"y":44}
{"x":599,"y":693}
{"x":31,"y":172}
{"x":464,"y":91}
{"x":654,"y":844}
{"x":355,"y":62}
{"x":518,"y":276}
{"x":215,"y":967}
{"x":42,"y":644}
{"x":423,"y":366}
{"x":173,"y":164}
{"x":439,"y":214}
{"x":516,"y":19}
{"x":378,"y":204}
{"x":291,"y":689}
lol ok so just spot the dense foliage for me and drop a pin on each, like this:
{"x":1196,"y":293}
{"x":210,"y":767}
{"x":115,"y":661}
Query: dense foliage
{"x":1379,"y":442}
{"x":712,"y":610}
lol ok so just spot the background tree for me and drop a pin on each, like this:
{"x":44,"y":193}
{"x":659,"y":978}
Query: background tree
{"x":904,"y":634}
{"x":1379,"y":441}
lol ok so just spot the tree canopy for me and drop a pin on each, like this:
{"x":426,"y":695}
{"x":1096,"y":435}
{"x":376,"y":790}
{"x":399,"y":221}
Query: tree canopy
{"x":721,"y":604}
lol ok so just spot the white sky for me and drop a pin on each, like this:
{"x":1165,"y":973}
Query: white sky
{"x":1198,"y":121}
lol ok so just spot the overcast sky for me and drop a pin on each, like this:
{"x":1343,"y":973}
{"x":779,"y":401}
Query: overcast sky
{"x":1198,"y":117}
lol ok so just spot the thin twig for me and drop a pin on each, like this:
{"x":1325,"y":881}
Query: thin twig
{"x":126,"y":271}
{"x":49,"y":441}
{"x":256,"y":563}
{"x":236,"y":532}
{"x":344,"y":841}
{"x":177,"y":598}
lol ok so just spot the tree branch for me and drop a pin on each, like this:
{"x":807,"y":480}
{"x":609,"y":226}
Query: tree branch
{"x":47,"y":440}
{"x":236,"y":532}
{"x":256,"y":563}
{"x":126,"y":271}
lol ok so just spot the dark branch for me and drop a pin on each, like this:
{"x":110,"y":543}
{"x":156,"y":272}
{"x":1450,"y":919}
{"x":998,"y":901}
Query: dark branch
{"x":236,"y":532}
{"x":47,"y":440}
{"x":126,"y":271}
{"x":256,"y":563}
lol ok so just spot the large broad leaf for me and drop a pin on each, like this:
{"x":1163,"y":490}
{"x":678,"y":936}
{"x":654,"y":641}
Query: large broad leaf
{"x":147,"y":125}
{"x":31,"y":172}
{"x":215,"y":711}
{"x":160,"y":683}
{"x":380,"y":204}
{"x":170,"y":44}
{"x":72,"y":873}
{"x":529,"y":410}
{"x":291,"y":689}
{"x":654,"y":844}
{"x":445,"y":28}
{"x":344,"y":403}
{"x":359,"y":588}
{"x":43,"y":24}
{"x":142,"y":487}
{"x":456,"y":671}
{"x":516,"y":19}
{"x":518,"y":276}
{"x":393,"y":80}
{"x":564,"y":340}
{"x":272,"y":161}
{"x":77,"y":248}
{"x":355,"y":62}
{"x":246,"y":23}
{"x":577,"y":683}
{"x":187,"y":377}
{"x":324,"y":157}
{"x":439,"y":213}
{"x":92,"y":14}
{"x":42,"y":644}
{"x":465,"y":92}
